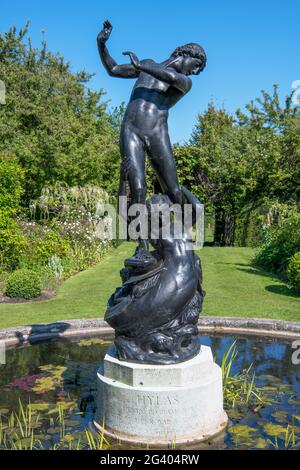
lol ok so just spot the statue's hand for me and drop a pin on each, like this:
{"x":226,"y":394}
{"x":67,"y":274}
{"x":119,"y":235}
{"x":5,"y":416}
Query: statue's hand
{"x":104,"y":34}
{"x":134,"y":60}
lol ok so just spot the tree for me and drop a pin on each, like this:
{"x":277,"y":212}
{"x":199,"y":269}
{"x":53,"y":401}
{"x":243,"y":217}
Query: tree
{"x":58,"y":128}
{"x":12,"y":242}
{"x":225,"y":168}
{"x":265,"y":116}
{"x":239,"y":163}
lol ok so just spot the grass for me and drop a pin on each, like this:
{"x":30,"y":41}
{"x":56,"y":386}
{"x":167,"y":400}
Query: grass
{"x":233,"y":286}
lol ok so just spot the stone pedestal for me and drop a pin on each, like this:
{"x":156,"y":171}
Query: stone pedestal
{"x":160,"y":405}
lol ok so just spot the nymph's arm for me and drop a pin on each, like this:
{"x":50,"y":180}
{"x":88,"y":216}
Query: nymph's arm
{"x":112,"y":68}
{"x":166,"y":74}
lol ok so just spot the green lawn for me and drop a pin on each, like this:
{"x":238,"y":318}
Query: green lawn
{"x":233,"y":288}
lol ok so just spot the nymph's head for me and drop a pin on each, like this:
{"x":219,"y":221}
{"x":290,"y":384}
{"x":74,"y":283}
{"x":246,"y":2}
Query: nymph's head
{"x":191,"y":59}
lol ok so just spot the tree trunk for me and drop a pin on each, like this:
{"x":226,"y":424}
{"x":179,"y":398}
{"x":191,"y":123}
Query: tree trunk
{"x":229,"y":229}
{"x":219,"y":227}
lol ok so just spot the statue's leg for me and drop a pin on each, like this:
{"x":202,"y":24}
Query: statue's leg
{"x":133,"y":169}
{"x":162,"y":159}
{"x":133,"y":164}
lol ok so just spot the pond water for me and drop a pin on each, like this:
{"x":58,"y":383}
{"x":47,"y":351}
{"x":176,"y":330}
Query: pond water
{"x":61,"y":374}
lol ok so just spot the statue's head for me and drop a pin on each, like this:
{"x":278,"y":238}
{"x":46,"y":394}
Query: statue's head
{"x":192,"y":59}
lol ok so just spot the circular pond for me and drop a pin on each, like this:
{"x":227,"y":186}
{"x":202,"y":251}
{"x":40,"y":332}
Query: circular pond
{"x":47,"y":394}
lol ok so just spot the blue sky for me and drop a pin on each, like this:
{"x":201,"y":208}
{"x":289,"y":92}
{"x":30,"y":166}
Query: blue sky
{"x":250,"y":44}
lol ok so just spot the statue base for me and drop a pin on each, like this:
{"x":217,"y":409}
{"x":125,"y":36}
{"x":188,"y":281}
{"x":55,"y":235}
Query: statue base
{"x":178,"y":404}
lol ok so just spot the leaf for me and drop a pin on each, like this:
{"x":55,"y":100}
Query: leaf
{"x":94,"y":341}
{"x":275,"y":430}
{"x":280,"y":416}
{"x":242,"y":430}
{"x":261,"y":443}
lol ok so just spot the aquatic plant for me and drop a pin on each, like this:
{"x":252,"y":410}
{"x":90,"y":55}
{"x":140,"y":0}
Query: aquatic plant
{"x":240,"y":389}
{"x":98,"y":441}
{"x":25,"y":430}
{"x":284,"y":438}
{"x":18,"y":433}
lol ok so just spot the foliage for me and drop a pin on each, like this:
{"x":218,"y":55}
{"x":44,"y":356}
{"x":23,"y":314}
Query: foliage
{"x":24,"y":284}
{"x":267,"y":114}
{"x":59,"y":200}
{"x":188,"y":160}
{"x":252,"y":223}
{"x":56,"y":126}
{"x":281,"y":242}
{"x":75,"y":214}
{"x":43,"y":242}
{"x":227,"y":162}
{"x":249,"y":225}
{"x":239,"y":163}
{"x":294,"y":271}
{"x":12,"y":242}
{"x":11,"y":184}
{"x":56,"y":267}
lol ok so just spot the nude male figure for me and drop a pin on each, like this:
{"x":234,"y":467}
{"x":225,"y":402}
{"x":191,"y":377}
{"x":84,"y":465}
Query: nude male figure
{"x":159,"y":86}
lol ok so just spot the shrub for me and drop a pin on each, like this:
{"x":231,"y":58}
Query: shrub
{"x":12,"y":243}
{"x":43,"y":243}
{"x":11,"y":184}
{"x":249,"y":228}
{"x":23,"y":283}
{"x":56,"y":266}
{"x":279,"y":245}
{"x":294,"y":271}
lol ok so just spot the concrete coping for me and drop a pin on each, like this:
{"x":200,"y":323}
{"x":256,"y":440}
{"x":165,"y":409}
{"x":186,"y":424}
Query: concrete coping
{"x":91,"y":327}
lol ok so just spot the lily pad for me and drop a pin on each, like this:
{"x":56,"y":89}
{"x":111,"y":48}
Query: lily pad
{"x":275,"y":430}
{"x":242,"y":430}
{"x":71,"y":423}
{"x":261,"y":443}
{"x":280,"y":416}
{"x":94,"y":341}
{"x":293,"y":401}
{"x":234,"y":413}
{"x":68,"y":438}
{"x":243,"y":435}
{"x":54,"y":430}
{"x":40,"y":406}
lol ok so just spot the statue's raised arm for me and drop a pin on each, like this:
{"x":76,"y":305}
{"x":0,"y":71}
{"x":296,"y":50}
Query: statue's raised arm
{"x":111,"y":66}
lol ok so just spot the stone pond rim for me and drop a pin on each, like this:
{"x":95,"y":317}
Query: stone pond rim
{"x":85,"y":327}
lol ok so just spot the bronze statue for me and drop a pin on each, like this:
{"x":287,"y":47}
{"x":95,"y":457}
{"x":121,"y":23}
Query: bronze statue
{"x":158,"y":87}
